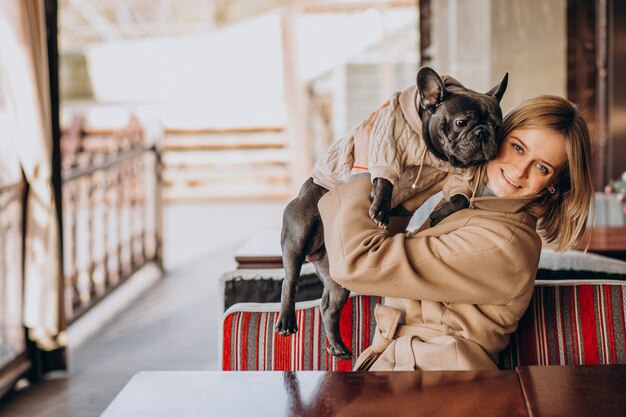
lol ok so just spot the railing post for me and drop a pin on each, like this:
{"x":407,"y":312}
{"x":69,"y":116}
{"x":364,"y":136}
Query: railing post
{"x":158,"y":205}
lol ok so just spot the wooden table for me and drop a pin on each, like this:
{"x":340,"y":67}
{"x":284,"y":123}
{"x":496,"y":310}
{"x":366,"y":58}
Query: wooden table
{"x":607,"y":241}
{"x":533,"y":391}
{"x":574,"y":391}
{"x":261,"y":251}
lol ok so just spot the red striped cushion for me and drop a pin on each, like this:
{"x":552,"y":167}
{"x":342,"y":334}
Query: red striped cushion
{"x":564,"y":324}
{"x":571,"y":325}
{"x":250,"y":344}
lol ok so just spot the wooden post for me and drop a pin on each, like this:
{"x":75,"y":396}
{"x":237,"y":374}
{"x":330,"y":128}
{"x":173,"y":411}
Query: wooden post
{"x":425,"y":17}
{"x":55,"y":359}
{"x":295,"y":99}
{"x":386,"y":75}
{"x":600,"y":140}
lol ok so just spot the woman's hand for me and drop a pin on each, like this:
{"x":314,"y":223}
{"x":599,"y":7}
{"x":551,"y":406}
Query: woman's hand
{"x":362,"y":144}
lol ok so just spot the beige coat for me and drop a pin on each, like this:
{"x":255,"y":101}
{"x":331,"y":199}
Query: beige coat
{"x":397,"y":152}
{"x":453,"y":293}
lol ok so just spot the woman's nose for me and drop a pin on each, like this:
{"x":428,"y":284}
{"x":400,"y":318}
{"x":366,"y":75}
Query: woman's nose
{"x":521,"y":169}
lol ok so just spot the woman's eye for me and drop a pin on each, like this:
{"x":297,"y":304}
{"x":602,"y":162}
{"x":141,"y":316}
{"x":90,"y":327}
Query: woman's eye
{"x":460,"y":122}
{"x":542,"y":169}
{"x":517,"y":147}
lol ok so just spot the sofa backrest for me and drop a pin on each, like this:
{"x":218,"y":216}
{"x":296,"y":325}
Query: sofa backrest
{"x":570,"y":324}
{"x":250,"y":344}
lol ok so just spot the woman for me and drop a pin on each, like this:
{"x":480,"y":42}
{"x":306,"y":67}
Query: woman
{"x":456,"y":291}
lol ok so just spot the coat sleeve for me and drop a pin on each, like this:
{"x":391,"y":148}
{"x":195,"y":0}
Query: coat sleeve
{"x":473,"y":264}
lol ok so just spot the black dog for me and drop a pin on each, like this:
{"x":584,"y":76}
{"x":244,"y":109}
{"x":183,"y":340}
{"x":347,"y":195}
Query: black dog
{"x":459,"y":130}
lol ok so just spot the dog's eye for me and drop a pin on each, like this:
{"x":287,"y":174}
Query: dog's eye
{"x":460,"y":122}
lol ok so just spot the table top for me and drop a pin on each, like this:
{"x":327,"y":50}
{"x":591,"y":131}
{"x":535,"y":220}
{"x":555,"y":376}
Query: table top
{"x":574,"y":390}
{"x":262,"y":250}
{"x":579,"y":390}
{"x":608,"y":241}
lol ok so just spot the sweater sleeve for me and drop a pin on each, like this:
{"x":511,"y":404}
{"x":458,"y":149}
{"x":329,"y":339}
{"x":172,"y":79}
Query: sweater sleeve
{"x":460,"y":183}
{"x":468,"y":265}
{"x":384,"y":158}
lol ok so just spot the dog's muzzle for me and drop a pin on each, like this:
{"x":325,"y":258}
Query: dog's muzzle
{"x":478,"y":145}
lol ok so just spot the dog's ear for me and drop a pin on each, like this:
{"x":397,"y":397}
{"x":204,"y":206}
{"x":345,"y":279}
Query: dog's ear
{"x":431,"y":88}
{"x":498,"y":90}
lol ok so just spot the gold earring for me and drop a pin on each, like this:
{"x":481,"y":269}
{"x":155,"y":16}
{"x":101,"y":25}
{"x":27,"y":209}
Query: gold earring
{"x":551,"y":189}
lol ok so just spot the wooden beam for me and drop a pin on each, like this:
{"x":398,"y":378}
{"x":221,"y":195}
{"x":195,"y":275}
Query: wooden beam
{"x":295,"y":98}
{"x":332,"y":7}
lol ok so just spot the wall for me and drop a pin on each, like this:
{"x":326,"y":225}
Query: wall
{"x":477,"y":41}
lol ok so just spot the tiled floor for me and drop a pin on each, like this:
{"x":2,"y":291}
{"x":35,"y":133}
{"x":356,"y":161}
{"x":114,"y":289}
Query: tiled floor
{"x":173,"y":326}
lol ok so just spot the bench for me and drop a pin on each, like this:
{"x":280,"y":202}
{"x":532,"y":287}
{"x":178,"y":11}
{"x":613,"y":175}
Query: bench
{"x":576,"y":316}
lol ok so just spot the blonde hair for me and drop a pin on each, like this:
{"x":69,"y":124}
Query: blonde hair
{"x":562,"y":216}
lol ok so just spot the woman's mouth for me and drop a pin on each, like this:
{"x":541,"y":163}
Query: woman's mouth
{"x":509,"y":180}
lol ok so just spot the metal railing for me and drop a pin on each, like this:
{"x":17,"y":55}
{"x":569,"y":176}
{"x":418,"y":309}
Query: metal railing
{"x":111,"y":187}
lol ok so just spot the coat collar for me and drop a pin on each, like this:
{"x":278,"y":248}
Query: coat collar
{"x":502,"y":204}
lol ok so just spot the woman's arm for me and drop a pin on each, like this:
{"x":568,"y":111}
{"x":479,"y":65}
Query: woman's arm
{"x":471,"y":264}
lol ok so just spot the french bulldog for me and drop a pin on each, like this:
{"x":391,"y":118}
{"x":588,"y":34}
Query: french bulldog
{"x":459,"y":129}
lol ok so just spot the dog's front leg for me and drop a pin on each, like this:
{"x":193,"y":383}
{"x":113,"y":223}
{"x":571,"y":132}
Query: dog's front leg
{"x":380,"y":210}
{"x":457,"y":202}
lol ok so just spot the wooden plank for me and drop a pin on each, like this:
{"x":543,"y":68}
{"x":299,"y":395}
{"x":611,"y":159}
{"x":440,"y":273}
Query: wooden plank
{"x":187,"y":196}
{"x":354,"y":6}
{"x":227,"y":192}
{"x":218,"y":141}
{"x":210,"y":181}
{"x":220,"y":147}
{"x":231,"y":175}
{"x":243,"y":165}
{"x":252,"y":129}
{"x":247,"y":169}
{"x":226,"y":157}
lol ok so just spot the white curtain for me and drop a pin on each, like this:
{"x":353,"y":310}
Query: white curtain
{"x":23,"y":60}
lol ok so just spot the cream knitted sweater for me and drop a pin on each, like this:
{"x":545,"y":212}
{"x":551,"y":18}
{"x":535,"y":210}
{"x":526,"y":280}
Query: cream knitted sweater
{"x":396,"y":153}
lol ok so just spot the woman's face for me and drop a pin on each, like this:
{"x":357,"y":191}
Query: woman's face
{"x":528,"y":161}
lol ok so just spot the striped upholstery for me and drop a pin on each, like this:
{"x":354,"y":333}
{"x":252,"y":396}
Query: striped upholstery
{"x":249,"y":341}
{"x":567,"y":322}
{"x":571,"y":325}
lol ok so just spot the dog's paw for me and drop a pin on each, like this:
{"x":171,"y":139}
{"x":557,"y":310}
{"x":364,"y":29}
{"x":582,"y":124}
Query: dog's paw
{"x":286,"y":325}
{"x":457,"y":202}
{"x":380,"y":209}
{"x":437,"y":216}
{"x":342,"y":353}
{"x":380,"y":217}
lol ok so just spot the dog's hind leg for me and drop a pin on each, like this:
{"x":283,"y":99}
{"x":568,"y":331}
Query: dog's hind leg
{"x":286,"y":323}
{"x":299,"y":236}
{"x":333,"y":300}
